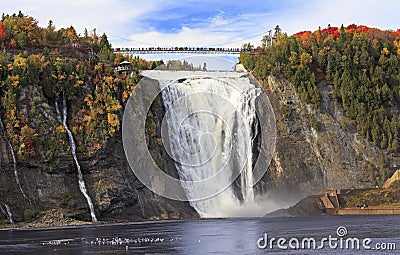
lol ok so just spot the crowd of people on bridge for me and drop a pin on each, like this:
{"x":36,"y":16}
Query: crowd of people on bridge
{"x":180,"y":49}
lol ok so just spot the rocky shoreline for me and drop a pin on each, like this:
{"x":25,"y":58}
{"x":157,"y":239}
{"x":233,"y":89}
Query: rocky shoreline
{"x":309,"y":206}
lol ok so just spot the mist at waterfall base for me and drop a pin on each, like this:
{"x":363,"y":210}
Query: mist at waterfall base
{"x":209,"y":129}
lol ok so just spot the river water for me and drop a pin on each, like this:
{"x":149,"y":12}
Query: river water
{"x":214,"y":236}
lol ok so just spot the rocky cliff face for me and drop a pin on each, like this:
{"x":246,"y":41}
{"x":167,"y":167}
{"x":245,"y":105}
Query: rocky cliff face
{"x":116,"y":193}
{"x":317,"y":148}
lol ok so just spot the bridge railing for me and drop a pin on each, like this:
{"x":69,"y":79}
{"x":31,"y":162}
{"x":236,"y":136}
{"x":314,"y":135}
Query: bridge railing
{"x":209,"y":50}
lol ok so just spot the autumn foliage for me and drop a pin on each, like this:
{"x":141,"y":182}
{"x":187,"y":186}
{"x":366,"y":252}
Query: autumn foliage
{"x":335,"y":32}
{"x":39,"y":66}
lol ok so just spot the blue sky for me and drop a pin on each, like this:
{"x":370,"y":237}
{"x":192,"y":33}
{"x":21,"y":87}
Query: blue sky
{"x":138,"y":23}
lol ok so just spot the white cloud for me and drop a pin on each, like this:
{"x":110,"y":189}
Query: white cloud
{"x":219,"y":21}
{"x":186,"y":37}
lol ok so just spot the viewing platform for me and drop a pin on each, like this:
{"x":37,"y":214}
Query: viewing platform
{"x":331,"y":202}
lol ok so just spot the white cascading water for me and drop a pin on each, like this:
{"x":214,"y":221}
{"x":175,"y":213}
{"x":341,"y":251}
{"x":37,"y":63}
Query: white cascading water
{"x":14,"y":162}
{"x":15,"y":170}
{"x":9,"y":214}
{"x":211,"y":127}
{"x":63,"y":120}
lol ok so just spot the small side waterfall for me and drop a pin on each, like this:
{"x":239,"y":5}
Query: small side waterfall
{"x":8,"y":213}
{"x":14,"y":161}
{"x":63,"y":120}
{"x":15,"y":170}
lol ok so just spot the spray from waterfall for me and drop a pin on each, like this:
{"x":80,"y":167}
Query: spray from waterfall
{"x":63,"y":120}
{"x":17,"y":180}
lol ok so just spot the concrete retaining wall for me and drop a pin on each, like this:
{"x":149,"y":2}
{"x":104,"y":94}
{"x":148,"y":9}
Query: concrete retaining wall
{"x":356,"y":211}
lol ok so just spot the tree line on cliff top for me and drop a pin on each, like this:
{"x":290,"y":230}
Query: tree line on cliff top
{"x":362,"y":64}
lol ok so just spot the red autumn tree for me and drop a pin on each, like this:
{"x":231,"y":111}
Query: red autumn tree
{"x":3,"y":34}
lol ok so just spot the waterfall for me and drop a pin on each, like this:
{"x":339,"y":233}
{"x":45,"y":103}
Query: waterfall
{"x":15,"y":170}
{"x":212,"y":124}
{"x":63,"y":120}
{"x":8,"y":213}
{"x":248,"y":112}
{"x":18,"y":182}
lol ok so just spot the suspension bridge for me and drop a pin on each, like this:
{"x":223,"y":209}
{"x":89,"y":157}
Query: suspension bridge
{"x":200,"y":50}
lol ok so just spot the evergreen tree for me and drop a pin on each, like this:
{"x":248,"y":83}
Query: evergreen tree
{"x":363,"y":65}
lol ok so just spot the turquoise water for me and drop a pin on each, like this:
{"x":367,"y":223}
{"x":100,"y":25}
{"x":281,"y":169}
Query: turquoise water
{"x":214,"y":236}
